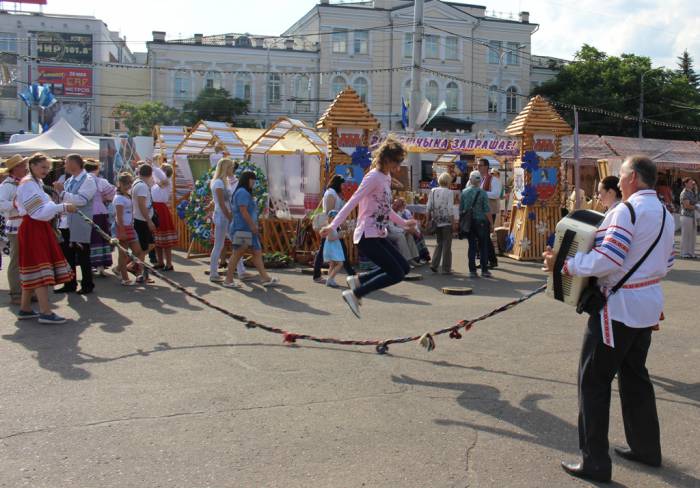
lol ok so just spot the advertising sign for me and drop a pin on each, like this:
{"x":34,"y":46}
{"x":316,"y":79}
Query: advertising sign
{"x":452,"y":144}
{"x":66,"y":81}
{"x":544,"y":145}
{"x":64,"y":47}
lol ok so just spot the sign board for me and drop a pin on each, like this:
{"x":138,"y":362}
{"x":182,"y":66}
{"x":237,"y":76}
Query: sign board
{"x":349,"y":139}
{"x":33,"y":2}
{"x":64,"y":47}
{"x":452,"y":144}
{"x":544,"y":145}
{"x":545,"y":182}
{"x":66,"y":81}
{"x":518,"y":182}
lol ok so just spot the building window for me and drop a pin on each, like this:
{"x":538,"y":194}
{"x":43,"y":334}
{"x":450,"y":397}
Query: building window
{"x":244,"y":87}
{"x":8,"y":42}
{"x":432,"y":92}
{"x":512,"y":100}
{"x":274,"y":85}
{"x":212,"y":80}
{"x":407,"y":44}
{"x":361,"y":87}
{"x":512,"y":55}
{"x":494,"y":51}
{"x":407,"y":92}
{"x":340,"y":42}
{"x":302,"y":92}
{"x":493,"y":99}
{"x":339,"y":84}
{"x":182,"y":86}
{"x":451,"y":48}
{"x":361,"y":42}
{"x":432,"y":46}
{"x":452,"y":96}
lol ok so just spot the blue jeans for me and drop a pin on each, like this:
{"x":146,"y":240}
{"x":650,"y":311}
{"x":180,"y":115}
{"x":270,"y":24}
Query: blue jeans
{"x":392,"y":267}
{"x":479,"y":239}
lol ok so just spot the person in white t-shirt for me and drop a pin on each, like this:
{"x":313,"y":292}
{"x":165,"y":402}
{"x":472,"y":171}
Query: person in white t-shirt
{"x":143,"y":212}
{"x":124,"y":226}
{"x":221,"y":192}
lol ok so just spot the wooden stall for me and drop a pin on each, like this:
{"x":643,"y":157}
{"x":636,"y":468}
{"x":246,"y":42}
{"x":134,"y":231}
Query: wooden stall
{"x":537,"y":206}
{"x":204,"y":139}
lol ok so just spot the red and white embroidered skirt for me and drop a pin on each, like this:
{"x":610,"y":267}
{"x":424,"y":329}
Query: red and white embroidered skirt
{"x":166,"y":234}
{"x":41,"y":261}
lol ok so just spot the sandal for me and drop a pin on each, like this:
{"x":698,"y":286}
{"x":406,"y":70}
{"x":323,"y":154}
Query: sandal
{"x":127,"y":283}
{"x":233,"y":284}
{"x":271,"y":282}
{"x":168,"y":268}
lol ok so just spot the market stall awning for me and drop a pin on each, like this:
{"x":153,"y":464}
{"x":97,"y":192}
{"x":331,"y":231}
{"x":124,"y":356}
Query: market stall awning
{"x":447,"y":123}
{"x":591,"y":149}
{"x":60,"y":140}
{"x":208,"y":137}
{"x":167,"y":138}
{"x":291,"y":143}
{"x":665,"y":153}
{"x":277,"y":133}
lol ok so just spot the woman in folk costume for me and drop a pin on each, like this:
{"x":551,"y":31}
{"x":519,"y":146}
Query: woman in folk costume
{"x":41,"y":261}
{"x":166,"y":233}
{"x":100,"y":249}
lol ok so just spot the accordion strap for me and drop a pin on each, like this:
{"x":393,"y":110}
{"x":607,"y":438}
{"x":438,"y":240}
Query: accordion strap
{"x":563,"y":253}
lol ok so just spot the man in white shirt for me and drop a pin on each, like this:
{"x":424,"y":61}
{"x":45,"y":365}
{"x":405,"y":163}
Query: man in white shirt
{"x":79,"y":190}
{"x":618,"y":337}
{"x":492,"y":187}
{"x":142,"y":199}
{"x":16,"y":169}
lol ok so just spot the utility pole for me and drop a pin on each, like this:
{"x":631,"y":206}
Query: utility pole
{"x":641,"y":101}
{"x":414,"y":159}
{"x":577,"y":163}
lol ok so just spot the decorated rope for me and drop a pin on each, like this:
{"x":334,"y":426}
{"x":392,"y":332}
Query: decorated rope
{"x":381,"y":345}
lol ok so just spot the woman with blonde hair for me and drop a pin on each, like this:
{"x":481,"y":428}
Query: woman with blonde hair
{"x":441,"y":213}
{"x":373,"y":197}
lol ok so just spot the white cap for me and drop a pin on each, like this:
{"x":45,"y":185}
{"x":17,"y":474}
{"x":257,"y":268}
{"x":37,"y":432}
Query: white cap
{"x":475,"y":175}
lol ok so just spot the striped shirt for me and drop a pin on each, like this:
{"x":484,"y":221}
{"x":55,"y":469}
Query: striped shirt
{"x":8,"y":190}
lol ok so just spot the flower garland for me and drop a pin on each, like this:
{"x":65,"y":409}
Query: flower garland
{"x":193,"y":210}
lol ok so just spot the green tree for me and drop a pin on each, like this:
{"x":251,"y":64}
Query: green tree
{"x":613,"y":83}
{"x":214,"y":104}
{"x":140,"y":119}
{"x":685,"y":65}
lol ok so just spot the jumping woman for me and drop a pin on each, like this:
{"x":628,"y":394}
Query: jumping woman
{"x":374,"y":200}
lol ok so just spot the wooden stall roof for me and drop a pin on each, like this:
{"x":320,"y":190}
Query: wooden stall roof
{"x":206,"y":136}
{"x":591,"y":148}
{"x":278,"y":132}
{"x":166,"y":139}
{"x":348,"y":109}
{"x":666,"y":153}
{"x":292,"y":141}
{"x":538,"y":116}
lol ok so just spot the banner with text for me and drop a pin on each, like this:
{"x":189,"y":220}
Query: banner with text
{"x":67,"y":82}
{"x":456,"y":144}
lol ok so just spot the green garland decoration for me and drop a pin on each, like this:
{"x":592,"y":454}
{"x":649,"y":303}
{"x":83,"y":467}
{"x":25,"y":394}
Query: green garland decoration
{"x":193,"y":210}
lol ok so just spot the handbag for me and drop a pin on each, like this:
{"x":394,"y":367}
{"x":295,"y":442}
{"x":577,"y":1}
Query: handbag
{"x":242,"y":238}
{"x":466,"y":218}
{"x":592,"y":299}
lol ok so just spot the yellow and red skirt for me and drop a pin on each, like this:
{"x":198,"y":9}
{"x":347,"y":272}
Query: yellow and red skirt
{"x":166,"y":233}
{"x":41,"y":261}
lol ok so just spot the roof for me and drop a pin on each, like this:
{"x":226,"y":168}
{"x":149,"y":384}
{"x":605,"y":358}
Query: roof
{"x":538,"y":116}
{"x":661,"y":151}
{"x":207,"y":136}
{"x":279,"y":131}
{"x":348,"y":110}
{"x":591,"y":148}
{"x":60,"y":140}
{"x":292,"y":141}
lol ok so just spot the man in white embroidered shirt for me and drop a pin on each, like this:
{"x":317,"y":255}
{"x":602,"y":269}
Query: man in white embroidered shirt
{"x":618,"y":338}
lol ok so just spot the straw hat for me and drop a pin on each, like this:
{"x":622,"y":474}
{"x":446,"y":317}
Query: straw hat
{"x":12,"y":162}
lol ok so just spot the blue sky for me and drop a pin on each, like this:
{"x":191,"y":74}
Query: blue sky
{"x":658,"y":29}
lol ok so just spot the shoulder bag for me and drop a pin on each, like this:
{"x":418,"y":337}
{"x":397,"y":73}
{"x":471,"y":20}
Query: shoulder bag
{"x":466,"y":217}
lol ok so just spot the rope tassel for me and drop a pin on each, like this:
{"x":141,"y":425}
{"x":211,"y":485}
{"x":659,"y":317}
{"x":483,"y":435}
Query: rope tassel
{"x":427,"y":341}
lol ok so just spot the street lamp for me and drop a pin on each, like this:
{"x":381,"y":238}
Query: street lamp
{"x":641,"y":101}
{"x":501,"y":55}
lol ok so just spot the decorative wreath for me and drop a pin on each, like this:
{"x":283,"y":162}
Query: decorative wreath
{"x":194,"y":209}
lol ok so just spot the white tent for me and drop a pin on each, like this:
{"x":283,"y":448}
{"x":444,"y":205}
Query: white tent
{"x":60,"y":140}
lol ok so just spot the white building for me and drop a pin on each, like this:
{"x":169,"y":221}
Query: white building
{"x":61,"y":50}
{"x":467,"y":53}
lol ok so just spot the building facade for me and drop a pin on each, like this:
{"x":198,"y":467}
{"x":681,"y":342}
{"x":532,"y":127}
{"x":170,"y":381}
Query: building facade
{"x":479,"y":65}
{"x":69,"y":53}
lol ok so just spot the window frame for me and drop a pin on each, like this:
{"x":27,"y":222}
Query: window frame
{"x":335,"y":92}
{"x":492,"y":100}
{"x":512,"y":57}
{"x":452,"y":87}
{"x":512,"y":93}
{"x":360,"y":37}
{"x":448,"y":49}
{"x":433,"y":41}
{"x":274,"y":80}
{"x":364,"y":97}
{"x":408,"y":44}
{"x":432,"y":84}
{"x":336,"y":41}
{"x":494,"y":51}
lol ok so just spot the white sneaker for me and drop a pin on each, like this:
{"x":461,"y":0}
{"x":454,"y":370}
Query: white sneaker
{"x":352,"y":301}
{"x":354,"y":283}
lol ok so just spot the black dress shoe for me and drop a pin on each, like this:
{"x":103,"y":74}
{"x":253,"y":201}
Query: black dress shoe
{"x":85,"y":291}
{"x":577,"y":470}
{"x":65,"y":289}
{"x":630,"y":455}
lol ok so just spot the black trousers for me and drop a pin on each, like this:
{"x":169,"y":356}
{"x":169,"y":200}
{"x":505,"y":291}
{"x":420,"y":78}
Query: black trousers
{"x":493,"y":259}
{"x":77,"y":255}
{"x":318,"y":261}
{"x":599,"y":364}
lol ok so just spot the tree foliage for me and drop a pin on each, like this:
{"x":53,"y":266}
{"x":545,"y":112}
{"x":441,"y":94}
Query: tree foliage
{"x":613,"y":83}
{"x":140,"y":119}
{"x":214,"y":104}
{"x":685,"y":65}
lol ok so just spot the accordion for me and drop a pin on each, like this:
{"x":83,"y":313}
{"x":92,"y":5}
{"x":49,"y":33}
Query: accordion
{"x":574,"y":233}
